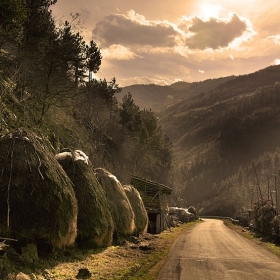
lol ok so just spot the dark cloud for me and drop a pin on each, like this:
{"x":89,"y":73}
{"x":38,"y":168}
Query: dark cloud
{"x":215,"y":34}
{"x":124,"y":30}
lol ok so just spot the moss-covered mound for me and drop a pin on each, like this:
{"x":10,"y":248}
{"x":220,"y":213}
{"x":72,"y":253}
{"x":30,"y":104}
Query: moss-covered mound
{"x":37,"y":200}
{"x":141,"y":215}
{"x":122,"y":212}
{"x":95,"y":223}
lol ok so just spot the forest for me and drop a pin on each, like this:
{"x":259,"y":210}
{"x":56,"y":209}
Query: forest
{"x":225,"y":134}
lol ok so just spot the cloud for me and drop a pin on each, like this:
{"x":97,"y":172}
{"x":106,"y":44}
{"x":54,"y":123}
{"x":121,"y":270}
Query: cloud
{"x":134,"y":29}
{"x":214,"y":33}
{"x":158,"y":80}
{"x":118,"y":52}
{"x":273,"y":38}
{"x":276,"y":61}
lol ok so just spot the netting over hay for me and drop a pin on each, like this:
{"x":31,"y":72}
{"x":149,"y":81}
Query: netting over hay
{"x":141,"y":216}
{"x":36,"y":196}
{"x":95,"y":223}
{"x":122,"y":212}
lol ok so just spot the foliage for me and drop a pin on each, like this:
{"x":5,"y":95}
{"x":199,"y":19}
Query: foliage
{"x":264,"y":215}
{"x":218,"y":132}
{"x":49,"y":61}
{"x":150,"y":143}
{"x":276,"y":229}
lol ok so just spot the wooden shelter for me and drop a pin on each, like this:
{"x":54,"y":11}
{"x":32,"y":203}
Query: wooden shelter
{"x":155,"y":197}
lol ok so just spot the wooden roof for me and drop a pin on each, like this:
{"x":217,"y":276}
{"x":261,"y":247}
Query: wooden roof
{"x":150,"y":187}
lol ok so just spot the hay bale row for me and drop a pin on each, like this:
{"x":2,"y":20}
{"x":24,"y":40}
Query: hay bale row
{"x":49,"y":197}
{"x":37,"y":199}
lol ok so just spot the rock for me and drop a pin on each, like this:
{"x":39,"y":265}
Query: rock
{"x":83,"y":273}
{"x":22,"y":276}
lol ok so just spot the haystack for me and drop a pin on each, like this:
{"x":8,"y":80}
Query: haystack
{"x":264,"y":214}
{"x":141,"y":215}
{"x":193,"y":211}
{"x":37,"y":200}
{"x":122,"y":212}
{"x":95,"y":223}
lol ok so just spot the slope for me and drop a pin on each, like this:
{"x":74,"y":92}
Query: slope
{"x":217,"y":131}
{"x":158,"y":98}
{"x":217,"y":126}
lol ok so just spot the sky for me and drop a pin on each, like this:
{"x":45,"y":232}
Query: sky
{"x":163,"y":42}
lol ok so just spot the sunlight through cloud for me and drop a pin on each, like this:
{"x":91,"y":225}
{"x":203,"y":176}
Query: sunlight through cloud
{"x":210,"y":11}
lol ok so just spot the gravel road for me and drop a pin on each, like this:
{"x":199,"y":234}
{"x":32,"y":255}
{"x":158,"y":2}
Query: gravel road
{"x":210,"y":250}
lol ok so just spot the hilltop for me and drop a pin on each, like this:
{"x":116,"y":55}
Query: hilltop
{"x":158,"y":98}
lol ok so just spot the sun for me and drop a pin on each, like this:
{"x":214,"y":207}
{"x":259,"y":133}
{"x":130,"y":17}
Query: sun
{"x":210,"y":11}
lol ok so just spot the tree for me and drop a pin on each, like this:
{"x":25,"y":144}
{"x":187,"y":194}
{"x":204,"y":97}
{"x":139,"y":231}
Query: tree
{"x":129,"y":113}
{"x":93,"y":57}
{"x":56,"y":62}
{"x":149,"y":150}
{"x":13,"y":15}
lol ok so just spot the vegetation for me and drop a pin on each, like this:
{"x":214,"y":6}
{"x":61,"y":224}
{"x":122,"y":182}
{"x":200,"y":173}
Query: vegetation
{"x":46,"y":83}
{"x":225,"y":134}
{"x":49,"y":101}
{"x":224,"y":131}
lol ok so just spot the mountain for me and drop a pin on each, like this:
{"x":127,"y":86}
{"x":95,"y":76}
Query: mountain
{"x":157,"y":98}
{"x":219,"y":127}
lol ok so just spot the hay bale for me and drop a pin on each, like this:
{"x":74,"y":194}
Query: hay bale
{"x":37,"y":200}
{"x":95,"y":223}
{"x":193,"y":211}
{"x":141,"y":216}
{"x":122,"y":212}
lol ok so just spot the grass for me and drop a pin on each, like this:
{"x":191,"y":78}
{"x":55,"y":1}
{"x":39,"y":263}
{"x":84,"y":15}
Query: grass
{"x":273,"y":248}
{"x":114,"y":262}
{"x":149,"y":267}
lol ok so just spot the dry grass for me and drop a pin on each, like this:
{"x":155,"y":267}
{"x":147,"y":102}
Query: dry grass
{"x":139,"y":258}
{"x":273,"y":248}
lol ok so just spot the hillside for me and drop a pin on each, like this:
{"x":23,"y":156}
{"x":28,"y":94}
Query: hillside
{"x":218,"y":127}
{"x":157,"y":97}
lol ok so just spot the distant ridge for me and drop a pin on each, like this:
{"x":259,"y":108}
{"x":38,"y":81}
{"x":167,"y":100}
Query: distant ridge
{"x":157,"y":98}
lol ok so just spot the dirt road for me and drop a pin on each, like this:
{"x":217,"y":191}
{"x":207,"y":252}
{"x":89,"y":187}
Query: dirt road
{"x":210,"y":250}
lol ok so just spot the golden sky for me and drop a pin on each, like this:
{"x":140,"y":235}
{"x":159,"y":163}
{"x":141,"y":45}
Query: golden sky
{"x":161,"y":42}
